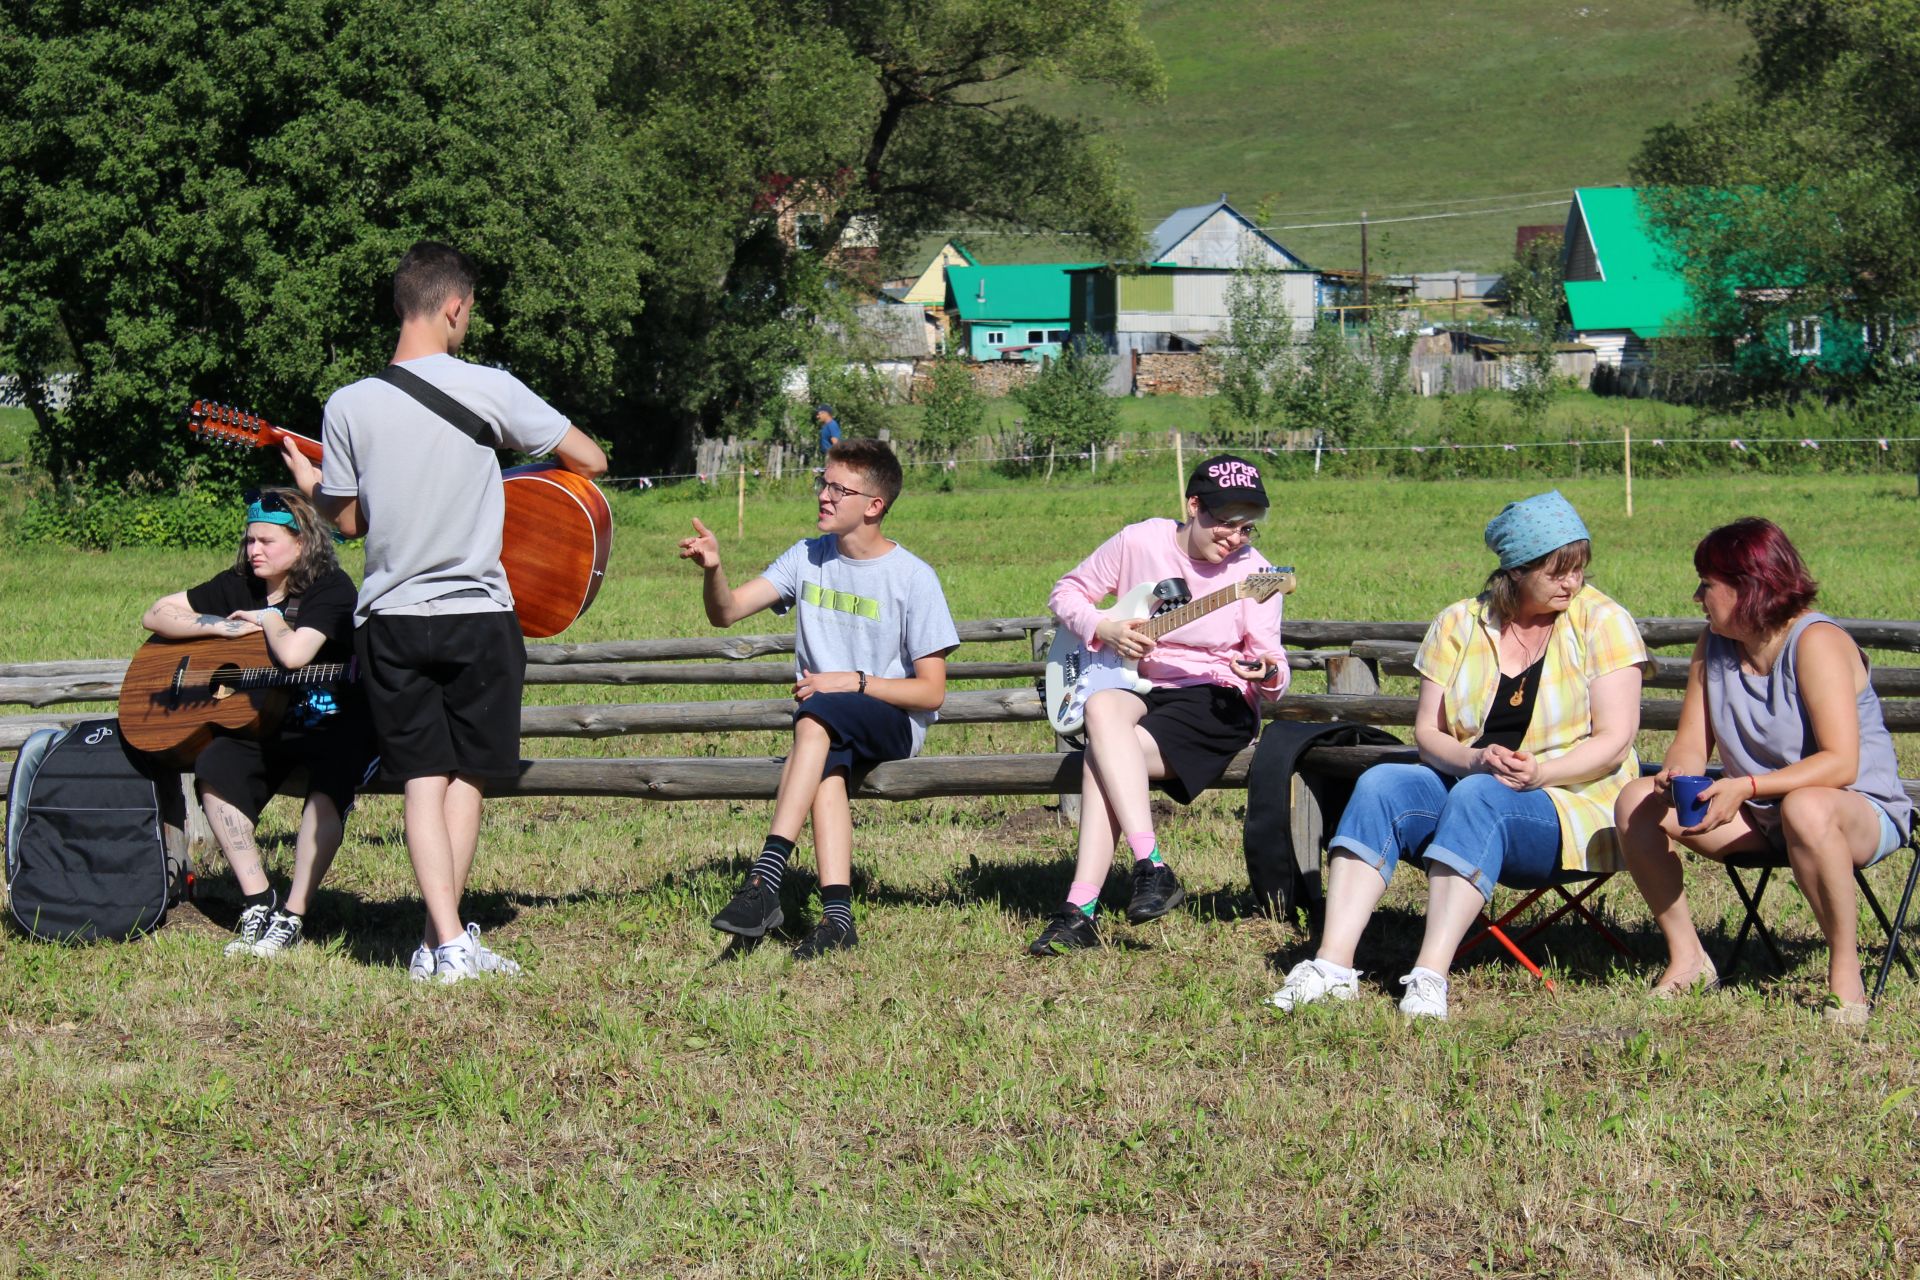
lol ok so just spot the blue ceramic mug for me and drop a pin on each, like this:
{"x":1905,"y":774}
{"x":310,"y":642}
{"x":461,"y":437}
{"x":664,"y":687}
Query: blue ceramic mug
{"x":1688,"y":808}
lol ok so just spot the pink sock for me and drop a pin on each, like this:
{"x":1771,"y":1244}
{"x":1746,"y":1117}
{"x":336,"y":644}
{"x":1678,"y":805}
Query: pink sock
{"x":1082,"y":895}
{"x":1142,"y":845}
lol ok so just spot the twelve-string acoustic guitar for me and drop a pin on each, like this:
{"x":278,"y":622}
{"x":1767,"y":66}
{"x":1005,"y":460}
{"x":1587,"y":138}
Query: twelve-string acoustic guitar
{"x":553,"y":543}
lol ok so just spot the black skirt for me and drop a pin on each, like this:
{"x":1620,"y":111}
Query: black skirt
{"x":1199,"y":730}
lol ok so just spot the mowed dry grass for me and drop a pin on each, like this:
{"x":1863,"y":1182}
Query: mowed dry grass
{"x":648,"y":1101}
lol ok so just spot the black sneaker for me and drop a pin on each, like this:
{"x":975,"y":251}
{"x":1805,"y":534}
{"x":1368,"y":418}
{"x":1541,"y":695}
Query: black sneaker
{"x":1068,"y":929}
{"x":1156,"y":891}
{"x":753,"y":911}
{"x":826,"y":936}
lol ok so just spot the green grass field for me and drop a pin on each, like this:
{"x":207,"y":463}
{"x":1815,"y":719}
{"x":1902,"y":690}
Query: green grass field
{"x":643,"y":1102}
{"x":1317,"y":111}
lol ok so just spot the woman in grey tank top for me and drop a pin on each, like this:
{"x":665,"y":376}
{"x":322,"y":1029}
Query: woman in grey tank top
{"x":1808,"y":766}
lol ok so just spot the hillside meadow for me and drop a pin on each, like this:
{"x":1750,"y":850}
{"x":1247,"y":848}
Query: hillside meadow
{"x":1312,"y":111}
{"x":647,"y":1101}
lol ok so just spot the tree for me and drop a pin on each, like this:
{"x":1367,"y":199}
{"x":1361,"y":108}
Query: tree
{"x":1249,"y":361}
{"x":954,"y":409}
{"x":1798,"y":196}
{"x":205,"y":198}
{"x":908,"y":112}
{"x":1067,"y":403}
{"x":1533,"y":285}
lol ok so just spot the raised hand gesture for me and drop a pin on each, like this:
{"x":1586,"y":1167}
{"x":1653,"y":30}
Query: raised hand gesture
{"x":702,"y":548}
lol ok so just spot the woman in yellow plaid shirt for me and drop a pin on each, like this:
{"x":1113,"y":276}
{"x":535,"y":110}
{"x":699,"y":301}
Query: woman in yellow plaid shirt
{"x":1529,"y":700}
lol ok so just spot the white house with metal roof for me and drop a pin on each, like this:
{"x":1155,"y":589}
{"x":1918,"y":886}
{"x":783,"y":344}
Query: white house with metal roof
{"x":1177,"y":299}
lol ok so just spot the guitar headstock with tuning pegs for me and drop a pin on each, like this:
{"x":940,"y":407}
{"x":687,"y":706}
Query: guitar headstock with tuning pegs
{"x":225,"y":424}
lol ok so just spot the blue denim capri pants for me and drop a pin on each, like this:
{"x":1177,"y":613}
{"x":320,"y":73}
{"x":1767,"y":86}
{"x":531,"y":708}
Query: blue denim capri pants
{"x":1476,"y":825}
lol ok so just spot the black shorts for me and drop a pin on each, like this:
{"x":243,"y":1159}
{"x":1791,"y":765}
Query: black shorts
{"x":1199,"y":730}
{"x":337,"y":754}
{"x":445,"y":692}
{"x":863,"y":730}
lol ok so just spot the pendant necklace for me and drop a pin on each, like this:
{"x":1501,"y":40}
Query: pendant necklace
{"x":1520,"y":690}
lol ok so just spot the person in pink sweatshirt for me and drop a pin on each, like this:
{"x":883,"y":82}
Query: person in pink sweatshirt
{"x":1208,"y":679}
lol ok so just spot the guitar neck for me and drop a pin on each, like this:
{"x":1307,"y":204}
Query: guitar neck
{"x":305,"y":444}
{"x":279,"y":677}
{"x":1192,"y":611}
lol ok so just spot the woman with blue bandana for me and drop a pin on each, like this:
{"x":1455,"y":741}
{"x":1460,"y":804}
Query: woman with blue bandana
{"x":286,"y":585}
{"x":1529,"y":700}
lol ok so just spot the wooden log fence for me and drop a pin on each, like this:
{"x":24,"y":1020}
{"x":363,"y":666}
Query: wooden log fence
{"x":1352,"y":653}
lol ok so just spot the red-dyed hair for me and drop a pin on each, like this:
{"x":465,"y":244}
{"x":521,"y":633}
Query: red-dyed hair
{"x":1770,"y":580}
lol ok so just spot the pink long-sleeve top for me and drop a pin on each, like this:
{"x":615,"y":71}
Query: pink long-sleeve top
{"x":1201,"y":652}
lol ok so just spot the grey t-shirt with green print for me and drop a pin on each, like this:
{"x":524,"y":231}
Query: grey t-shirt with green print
{"x":878,"y":616}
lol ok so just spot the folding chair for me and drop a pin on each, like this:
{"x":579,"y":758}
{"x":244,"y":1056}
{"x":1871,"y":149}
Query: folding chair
{"x":1766,"y":862}
{"x":1590,"y":882}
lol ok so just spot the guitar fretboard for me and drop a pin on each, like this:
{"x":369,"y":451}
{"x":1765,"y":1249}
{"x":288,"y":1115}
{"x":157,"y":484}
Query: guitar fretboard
{"x":278,"y":677}
{"x":1194,"y":610}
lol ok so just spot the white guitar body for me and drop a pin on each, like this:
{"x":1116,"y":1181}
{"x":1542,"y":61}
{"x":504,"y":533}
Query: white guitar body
{"x":1075,"y":673}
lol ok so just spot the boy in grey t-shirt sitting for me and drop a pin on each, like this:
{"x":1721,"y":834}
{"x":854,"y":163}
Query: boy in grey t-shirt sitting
{"x":871,"y":644}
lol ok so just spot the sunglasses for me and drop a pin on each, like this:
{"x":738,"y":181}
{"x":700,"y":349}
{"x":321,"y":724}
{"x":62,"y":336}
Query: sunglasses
{"x":266,"y":500}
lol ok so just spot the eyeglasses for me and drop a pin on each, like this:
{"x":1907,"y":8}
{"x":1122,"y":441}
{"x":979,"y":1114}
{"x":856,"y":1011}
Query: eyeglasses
{"x":833,"y":491}
{"x":1245,"y":528}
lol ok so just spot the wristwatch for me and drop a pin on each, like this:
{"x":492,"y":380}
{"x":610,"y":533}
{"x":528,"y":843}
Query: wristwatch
{"x":863,"y":680}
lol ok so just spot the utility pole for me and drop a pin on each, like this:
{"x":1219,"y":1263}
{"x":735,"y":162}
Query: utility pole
{"x":1366,"y":280}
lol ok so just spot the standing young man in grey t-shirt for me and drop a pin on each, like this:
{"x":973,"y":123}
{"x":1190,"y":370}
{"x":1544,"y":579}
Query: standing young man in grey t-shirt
{"x":870,"y":647}
{"x":439,"y":646}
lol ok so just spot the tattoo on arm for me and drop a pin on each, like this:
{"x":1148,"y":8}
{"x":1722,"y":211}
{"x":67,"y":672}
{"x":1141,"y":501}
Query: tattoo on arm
{"x":208,"y":619}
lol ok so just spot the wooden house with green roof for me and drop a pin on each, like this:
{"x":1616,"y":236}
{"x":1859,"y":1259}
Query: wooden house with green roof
{"x":1017,"y":312}
{"x":1623,"y":288}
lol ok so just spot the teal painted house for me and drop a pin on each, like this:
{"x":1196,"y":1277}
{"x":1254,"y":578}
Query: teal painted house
{"x":1624,"y":289}
{"x":1013,"y":312}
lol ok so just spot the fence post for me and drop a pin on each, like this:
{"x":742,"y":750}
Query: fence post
{"x":1626,"y":464}
{"x":1348,"y":674}
{"x":1180,"y":474}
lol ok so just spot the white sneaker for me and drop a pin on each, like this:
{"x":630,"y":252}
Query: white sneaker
{"x":1426,"y":995}
{"x":283,"y":931}
{"x":1312,"y":980}
{"x":489,"y":961}
{"x":455,"y":961}
{"x":253,"y":923}
{"x":420,"y":964}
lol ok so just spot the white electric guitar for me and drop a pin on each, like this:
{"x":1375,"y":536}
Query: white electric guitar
{"x":1075,"y":672}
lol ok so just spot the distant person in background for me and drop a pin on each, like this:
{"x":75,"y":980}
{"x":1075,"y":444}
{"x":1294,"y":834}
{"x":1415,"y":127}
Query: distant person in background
{"x":286,"y":586}
{"x":1529,"y":700}
{"x":870,"y":652}
{"x":1809,"y":769}
{"x":829,"y":430}
{"x":1209,"y":678}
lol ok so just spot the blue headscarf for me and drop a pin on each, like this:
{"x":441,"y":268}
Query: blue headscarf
{"x":1530,"y":528}
{"x":257,"y":514}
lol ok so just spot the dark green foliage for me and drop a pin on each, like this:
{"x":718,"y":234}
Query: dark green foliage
{"x":101,"y":518}
{"x":1067,"y":405}
{"x":1798,"y":196}
{"x":205,"y":199}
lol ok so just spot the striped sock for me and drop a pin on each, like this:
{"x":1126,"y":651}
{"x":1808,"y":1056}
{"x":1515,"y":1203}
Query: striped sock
{"x":1144,"y":846}
{"x":836,"y":904}
{"x":771,"y":865}
{"x":1084,"y":896}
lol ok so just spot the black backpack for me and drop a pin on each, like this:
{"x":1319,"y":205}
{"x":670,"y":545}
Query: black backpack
{"x":89,"y":852}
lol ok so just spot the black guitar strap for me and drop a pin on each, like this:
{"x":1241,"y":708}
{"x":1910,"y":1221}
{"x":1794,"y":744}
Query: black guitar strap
{"x":464,"y":420}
